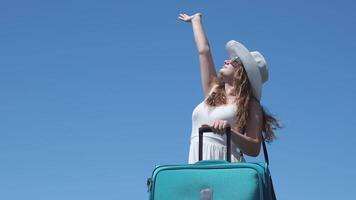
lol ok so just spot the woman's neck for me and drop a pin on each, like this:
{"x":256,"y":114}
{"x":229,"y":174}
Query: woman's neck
{"x":230,"y":93}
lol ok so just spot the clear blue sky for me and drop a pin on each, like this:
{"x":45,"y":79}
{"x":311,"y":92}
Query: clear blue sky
{"x":94,"y":94}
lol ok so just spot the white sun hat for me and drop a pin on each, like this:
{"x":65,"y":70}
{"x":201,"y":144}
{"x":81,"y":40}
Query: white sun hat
{"x":254,"y":63}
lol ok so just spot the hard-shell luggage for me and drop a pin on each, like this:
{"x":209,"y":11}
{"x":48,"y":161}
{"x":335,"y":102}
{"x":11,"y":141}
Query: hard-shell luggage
{"x":212,"y":179}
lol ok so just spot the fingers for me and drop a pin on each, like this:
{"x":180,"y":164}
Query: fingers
{"x":187,"y":18}
{"x":215,"y":127}
{"x":180,"y":17}
{"x":219,"y":126}
{"x":183,"y":17}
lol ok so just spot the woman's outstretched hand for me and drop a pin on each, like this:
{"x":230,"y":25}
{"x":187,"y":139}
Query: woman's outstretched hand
{"x":189,"y":18}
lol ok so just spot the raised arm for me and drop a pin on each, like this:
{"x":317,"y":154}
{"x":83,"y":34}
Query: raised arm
{"x":207,"y":69}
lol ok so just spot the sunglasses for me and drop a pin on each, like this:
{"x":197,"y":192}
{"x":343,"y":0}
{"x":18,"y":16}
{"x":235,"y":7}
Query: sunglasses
{"x":236,"y":60}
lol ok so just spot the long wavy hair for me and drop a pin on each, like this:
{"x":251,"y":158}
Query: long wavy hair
{"x":243,"y":93}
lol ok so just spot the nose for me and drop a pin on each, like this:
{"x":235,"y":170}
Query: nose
{"x":226,"y":62}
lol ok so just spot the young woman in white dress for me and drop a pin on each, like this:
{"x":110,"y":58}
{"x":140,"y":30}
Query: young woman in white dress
{"x":232,"y":98}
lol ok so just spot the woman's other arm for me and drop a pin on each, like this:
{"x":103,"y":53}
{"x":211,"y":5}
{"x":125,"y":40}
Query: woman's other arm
{"x":250,"y":143}
{"x":207,"y":69}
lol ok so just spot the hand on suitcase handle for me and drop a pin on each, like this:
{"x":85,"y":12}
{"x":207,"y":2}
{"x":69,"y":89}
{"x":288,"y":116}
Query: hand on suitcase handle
{"x":206,"y":128}
{"x":219,"y":126}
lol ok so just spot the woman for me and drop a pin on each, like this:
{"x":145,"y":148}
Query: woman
{"x":232,"y":98}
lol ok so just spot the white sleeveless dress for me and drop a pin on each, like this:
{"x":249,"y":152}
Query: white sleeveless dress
{"x":214,"y":145}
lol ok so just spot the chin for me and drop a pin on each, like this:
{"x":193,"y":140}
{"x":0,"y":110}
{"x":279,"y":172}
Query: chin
{"x":223,"y":73}
{"x":225,"y":76}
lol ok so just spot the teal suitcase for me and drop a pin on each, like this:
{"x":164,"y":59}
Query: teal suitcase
{"x":212,"y":179}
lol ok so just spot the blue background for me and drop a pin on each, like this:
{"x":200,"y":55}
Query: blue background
{"x":94,"y":94}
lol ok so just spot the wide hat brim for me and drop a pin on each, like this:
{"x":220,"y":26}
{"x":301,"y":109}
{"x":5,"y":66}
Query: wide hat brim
{"x":236,"y":49}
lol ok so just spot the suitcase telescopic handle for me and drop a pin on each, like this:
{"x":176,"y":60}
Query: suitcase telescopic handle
{"x":203,"y":129}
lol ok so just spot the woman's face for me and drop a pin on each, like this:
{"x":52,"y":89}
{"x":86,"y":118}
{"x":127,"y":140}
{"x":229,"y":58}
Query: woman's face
{"x":229,"y":68}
